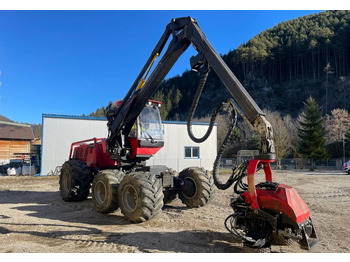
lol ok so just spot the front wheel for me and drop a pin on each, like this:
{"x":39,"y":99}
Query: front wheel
{"x":198,"y":187}
{"x":75,"y":179}
{"x":140,"y":196}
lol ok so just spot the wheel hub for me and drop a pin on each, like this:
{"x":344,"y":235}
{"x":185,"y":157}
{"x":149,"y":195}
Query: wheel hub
{"x":67,"y":183}
{"x":100,"y":192}
{"x":130,"y":198}
{"x":189,"y":188}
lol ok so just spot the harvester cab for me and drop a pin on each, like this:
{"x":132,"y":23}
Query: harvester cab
{"x":146,"y":135}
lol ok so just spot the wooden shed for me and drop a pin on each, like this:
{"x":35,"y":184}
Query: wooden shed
{"x":14,"y":139}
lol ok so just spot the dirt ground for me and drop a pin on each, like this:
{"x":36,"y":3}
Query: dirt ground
{"x":33,"y":218}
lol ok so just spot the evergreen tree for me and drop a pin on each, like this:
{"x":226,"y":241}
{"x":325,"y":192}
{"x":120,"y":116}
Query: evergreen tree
{"x":347,"y":135}
{"x":312,"y":132}
{"x":253,"y":142}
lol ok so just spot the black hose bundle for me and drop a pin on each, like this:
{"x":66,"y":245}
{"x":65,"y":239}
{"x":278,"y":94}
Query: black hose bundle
{"x":236,"y":176}
{"x":240,"y":184}
{"x":250,"y":241}
{"x":233,"y":177}
{"x":194,"y":106}
{"x":231,"y":227}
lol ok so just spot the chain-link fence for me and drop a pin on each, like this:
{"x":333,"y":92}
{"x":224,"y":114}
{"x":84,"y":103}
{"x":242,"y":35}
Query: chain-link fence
{"x":294,"y":163}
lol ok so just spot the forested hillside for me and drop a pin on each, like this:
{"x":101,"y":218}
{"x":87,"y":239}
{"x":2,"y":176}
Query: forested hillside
{"x":279,"y":67}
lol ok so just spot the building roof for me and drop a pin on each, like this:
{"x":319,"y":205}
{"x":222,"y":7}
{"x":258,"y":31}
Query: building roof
{"x":36,"y":141}
{"x":15,"y":131}
{"x":5,"y":119}
{"x":105,"y":119}
{"x":73,"y":117}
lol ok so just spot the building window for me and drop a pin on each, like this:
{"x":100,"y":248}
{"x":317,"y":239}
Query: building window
{"x":191,"y":151}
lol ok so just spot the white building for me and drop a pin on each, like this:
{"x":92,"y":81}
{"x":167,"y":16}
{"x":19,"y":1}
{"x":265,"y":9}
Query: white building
{"x":179,"y":151}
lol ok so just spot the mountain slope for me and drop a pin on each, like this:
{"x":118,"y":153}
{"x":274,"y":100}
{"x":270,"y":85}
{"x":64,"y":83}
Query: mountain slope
{"x":280,"y":68}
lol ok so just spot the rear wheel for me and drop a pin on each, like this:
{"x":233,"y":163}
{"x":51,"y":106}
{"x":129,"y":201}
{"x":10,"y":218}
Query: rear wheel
{"x":105,"y":191}
{"x":140,"y":196}
{"x":198,"y":188}
{"x":75,"y":179}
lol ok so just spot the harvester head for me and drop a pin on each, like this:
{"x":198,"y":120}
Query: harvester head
{"x":269,"y":213}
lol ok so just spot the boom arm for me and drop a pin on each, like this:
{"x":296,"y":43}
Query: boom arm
{"x":185,"y":31}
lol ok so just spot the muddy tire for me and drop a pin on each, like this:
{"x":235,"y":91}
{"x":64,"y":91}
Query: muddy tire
{"x":75,"y":181}
{"x":198,"y":189}
{"x":105,"y":191}
{"x":140,"y":196}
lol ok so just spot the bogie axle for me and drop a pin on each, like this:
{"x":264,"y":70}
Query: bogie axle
{"x":139,"y":194}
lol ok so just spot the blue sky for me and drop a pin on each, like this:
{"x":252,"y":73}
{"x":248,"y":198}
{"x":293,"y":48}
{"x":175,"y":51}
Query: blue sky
{"x":72,"y":62}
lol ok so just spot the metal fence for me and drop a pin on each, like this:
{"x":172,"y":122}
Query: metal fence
{"x":294,"y":163}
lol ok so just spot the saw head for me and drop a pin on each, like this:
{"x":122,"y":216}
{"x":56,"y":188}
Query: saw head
{"x":269,"y":211}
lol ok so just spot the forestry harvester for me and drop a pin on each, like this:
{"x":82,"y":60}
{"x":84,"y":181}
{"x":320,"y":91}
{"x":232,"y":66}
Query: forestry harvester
{"x":115,"y":170}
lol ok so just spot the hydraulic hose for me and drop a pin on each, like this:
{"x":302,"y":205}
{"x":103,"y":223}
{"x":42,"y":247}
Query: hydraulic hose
{"x":194,"y":106}
{"x":228,"y":137}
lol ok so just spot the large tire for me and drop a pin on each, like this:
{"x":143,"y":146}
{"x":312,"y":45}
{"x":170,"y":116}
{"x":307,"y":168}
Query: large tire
{"x":140,"y":196}
{"x":75,"y":180}
{"x":198,"y":188}
{"x":105,"y":191}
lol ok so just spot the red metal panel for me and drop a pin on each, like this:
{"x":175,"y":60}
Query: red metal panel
{"x":251,"y":183}
{"x":283,"y":199}
{"x":103,"y":159}
{"x":251,"y":195}
{"x":92,"y":152}
{"x":147,"y":150}
{"x":141,"y":151}
{"x":134,"y":143}
{"x":286,"y":200}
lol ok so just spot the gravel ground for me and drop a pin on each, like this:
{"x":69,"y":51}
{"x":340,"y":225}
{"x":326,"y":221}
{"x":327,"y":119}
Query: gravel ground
{"x":33,"y":218}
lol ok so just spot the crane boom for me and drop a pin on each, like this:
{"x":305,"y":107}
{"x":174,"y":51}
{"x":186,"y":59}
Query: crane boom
{"x":185,"y":31}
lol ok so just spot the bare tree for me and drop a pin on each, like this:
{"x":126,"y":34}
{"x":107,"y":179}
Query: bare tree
{"x":285,"y":134}
{"x":245,"y":131}
{"x":223,"y":123}
{"x":337,"y":124}
{"x":292,"y":127}
{"x":282,"y":137}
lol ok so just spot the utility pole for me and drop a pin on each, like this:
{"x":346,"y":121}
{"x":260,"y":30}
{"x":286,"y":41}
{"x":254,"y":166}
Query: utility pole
{"x":342,"y":79}
{"x":329,"y":70}
{"x":343,"y":149}
{"x":0,"y":92}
